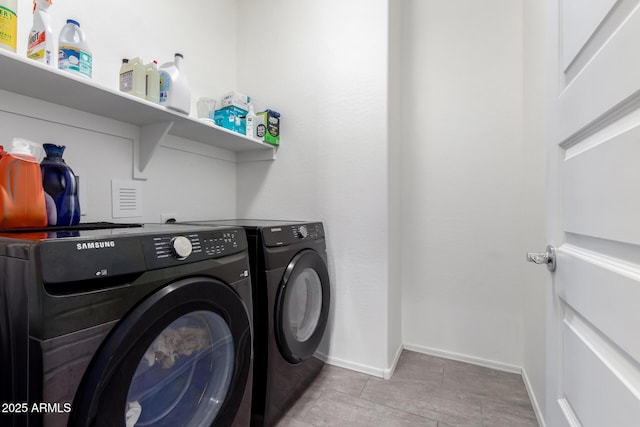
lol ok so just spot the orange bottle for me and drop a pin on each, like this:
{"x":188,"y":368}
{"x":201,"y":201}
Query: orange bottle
{"x":22,"y":202}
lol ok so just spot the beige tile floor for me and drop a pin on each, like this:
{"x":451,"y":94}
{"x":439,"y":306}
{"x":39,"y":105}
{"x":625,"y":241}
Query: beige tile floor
{"x":424,"y":391}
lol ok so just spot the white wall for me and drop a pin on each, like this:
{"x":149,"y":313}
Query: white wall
{"x":463,"y":181}
{"x":323,"y":65}
{"x":187,"y":178}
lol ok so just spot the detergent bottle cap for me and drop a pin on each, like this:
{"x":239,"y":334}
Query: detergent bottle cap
{"x":24,"y":147}
{"x":178,"y":58}
{"x":20,"y":146}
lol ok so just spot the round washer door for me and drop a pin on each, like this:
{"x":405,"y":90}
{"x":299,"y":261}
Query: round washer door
{"x":302,"y":306}
{"x":180,"y":358}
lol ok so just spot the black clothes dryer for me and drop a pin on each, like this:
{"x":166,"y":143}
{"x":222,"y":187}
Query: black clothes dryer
{"x":291,"y":295}
{"x":146,"y":326}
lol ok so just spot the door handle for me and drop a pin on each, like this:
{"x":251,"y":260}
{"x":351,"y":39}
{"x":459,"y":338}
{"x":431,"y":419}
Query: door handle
{"x":548,"y":257}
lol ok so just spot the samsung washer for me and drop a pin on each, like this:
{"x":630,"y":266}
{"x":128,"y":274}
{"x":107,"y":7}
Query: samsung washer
{"x":142,"y":326}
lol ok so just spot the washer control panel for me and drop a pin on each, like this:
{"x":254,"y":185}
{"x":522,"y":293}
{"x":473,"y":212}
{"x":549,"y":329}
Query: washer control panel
{"x":223,"y":243}
{"x":131,"y":251}
{"x":172,"y":249}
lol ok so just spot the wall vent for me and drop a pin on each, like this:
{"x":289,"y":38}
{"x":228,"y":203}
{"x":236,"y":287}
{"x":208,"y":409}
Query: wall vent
{"x":126,"y":198}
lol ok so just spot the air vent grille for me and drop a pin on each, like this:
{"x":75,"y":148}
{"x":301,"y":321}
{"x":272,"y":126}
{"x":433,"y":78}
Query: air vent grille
{"x":126,"y":198}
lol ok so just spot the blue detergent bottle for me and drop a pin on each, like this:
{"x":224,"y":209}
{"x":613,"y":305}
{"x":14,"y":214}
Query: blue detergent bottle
{"x":60,"y":187}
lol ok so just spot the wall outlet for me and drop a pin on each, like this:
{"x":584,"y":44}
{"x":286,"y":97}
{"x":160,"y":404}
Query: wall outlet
{"x":168,"y":217}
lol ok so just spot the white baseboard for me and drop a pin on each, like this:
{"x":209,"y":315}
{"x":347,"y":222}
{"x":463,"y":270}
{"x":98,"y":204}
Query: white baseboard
{"x":534,"y":401}
{"x":465,"y":358}
{"x":358,"y":367}
{"x":387,"y":373}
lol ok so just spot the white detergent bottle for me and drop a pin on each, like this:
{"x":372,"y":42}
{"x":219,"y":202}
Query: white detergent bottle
{"x":40,"y":46}
{"x":174,"y":87}
{"x":74,"y":55}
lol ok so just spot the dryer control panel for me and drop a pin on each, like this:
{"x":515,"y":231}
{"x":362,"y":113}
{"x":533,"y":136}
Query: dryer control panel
{"x":292,"y":233}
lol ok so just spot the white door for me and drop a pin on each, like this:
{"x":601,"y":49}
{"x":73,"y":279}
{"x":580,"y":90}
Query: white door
{"x":593,"y":324}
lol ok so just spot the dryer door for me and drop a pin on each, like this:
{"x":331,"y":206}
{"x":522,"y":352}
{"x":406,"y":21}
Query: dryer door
{"x":181,"y":357}
{"x":302,"y":306}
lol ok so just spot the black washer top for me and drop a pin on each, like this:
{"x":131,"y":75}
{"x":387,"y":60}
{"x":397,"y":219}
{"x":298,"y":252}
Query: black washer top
{"x":251,"y":223}
{"x":82,"y":226}
{"x":96,"y":231}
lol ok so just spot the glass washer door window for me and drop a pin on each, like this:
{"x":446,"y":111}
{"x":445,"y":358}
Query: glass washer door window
{"x":303,"y":304}
{"x":185,"y":374}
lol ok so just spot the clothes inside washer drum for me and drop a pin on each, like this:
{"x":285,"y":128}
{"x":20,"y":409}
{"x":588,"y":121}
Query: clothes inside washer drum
{"x":185,"y":374}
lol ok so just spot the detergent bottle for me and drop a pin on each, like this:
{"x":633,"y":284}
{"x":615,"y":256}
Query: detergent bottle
{"x":152,"y":82}
{"x":60,"y":186}
{"x":21,"y":194}
{"x":174,"y":86}
{"x":250,"y":122}
{"x":8,"y":24}
{"x":74,"y":55}
{"x":40,"y":44}
{"x":133,"y":77}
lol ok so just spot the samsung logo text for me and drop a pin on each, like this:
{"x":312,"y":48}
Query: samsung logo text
{"x":96,"y":245}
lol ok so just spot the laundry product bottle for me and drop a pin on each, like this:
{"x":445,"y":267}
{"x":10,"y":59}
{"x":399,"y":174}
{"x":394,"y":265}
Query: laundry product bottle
{"x":152,"y":82}
{"x":174,"y":87}
{"x":250,"y":122}
{"x":8,"y":24}
{"x":22,"y":200}
{"x":132,"y":77}
{"x":60,"y":186}
{"x":40,"y":45}
{"x":74,"y":55}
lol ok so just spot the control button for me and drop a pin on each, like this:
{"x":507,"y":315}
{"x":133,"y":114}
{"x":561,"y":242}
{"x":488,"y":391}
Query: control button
{"x":302,"y":232}
{"x":181,"y":247}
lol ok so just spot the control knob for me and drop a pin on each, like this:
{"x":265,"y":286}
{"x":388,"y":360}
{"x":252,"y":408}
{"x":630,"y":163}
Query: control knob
{"x":181,"y":247}
{"x":302,"y":232}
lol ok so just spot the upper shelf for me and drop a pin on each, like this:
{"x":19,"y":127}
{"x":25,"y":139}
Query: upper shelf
{"x":32,"y":79}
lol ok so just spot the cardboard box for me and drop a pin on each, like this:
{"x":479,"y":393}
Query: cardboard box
{"x":235,"y":99}
{"x":268,"y":126}
{"x":231,"y":118}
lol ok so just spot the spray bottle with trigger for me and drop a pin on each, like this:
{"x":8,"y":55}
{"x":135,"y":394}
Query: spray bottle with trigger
{"x":40,"y":46}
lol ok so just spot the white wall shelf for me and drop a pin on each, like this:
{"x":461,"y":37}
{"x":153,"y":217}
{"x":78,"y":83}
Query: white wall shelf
{"x":29,"y":78}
